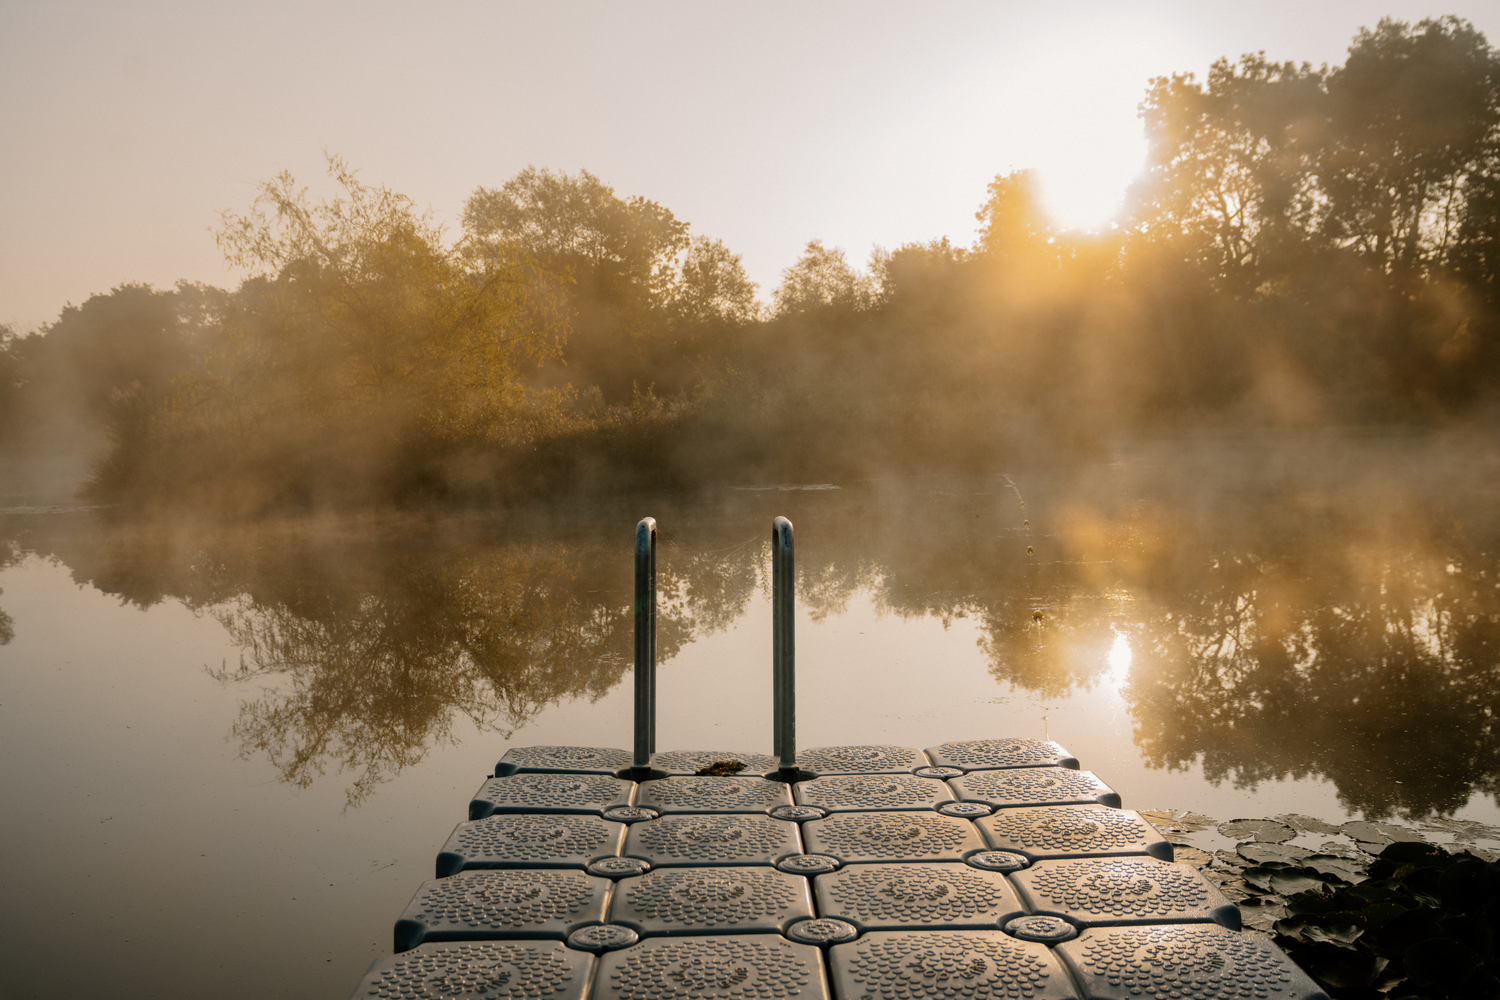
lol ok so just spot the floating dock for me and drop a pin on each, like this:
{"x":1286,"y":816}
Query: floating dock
{"x":988,"y":868}
{"x":982,"y":869}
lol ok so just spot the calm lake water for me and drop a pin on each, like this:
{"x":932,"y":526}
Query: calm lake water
{"x":231,"y":753}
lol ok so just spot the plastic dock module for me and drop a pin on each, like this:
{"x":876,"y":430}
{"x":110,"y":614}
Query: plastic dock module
{"x":983,"y":965}
{"x":713,"y":795}
{"x":572,"y":760}
{"x":485,"y":905}
{"x":1072,"y":832}
{"x":868,"y":759}
{"x":1099,"y":891}
{"x":1034,"y":786}
{"x":979,"y":755}
{"x":529,"y":841}
{"x":1200,"y":961}
{"x":744,"y":965}
{"x":554,"y":792}
{"x":737,"y":900}
{"x":873,"y":792}
{"x":697,"y":840}
{"x":690,"y":762}
{"x":917,"y":897}
{"x":892,"y":836}
{"x":489,"y":969}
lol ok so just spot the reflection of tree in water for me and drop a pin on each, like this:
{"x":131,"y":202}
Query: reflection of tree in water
{"x":371,"y":674}
{"x":1378,"y":673}
{"x":1352,"y":635}
{"x":1275,"y":633}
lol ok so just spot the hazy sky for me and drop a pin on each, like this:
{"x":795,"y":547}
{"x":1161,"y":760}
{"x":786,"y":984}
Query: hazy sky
{"x":129,"y":126}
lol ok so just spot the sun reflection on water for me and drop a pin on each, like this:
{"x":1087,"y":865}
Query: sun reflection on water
{"x":1119,"y":661}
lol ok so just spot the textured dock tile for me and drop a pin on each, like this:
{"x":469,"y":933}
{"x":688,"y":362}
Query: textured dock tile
{"x":1073,"y":831}
{"x":917,"y":897}
{"x":739,"y":966}
{"x":856,"y":792}
{"x":574,"y":760}
{"x":515,"y":840}
{"x":731,"y":839}
{"x":891,"y":836}
{"x":973,"y":965}
{"x":550,"y":792}
{"x":973,"y":755}
{"x":722,"y":795}
{"x":866,"y":759}
{"x":480,"y":905}
{"x":1200,"y":961}
{"x":690,"y":762}
{"x":1099,"y":891}
{"x":1034,"y":786}
{"x":735,"y":900}
{"x":513,"y":969}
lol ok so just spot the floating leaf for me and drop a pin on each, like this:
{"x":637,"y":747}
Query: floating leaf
{"x":1329,"y":864}
{"x":1262,"y":853}
{"x":1340,"y":933}
{"x":1340,"y":967}
{"x":1192,"y":856}
{"x":1367,"y":832}
{"x":1177,"y":820}
{"x":1265,"y":831}
{"x":1308,"y":824}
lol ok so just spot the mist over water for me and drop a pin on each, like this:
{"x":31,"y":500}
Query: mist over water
{"x":1236,"y":627}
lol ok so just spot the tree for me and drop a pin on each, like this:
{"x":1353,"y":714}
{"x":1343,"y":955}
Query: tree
{"x":1014,"y":227}
{"x":713,"y":287}
{"x":1230,"y":174}
{"x":821,"y":278}
{"x":1415,"y":114}
{"x":360,"y":306}
{"x":620,"y":257}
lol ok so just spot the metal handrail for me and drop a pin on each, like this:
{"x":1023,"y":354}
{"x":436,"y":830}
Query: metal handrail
{"x":645,"y":642}
{"x":784,"y":645}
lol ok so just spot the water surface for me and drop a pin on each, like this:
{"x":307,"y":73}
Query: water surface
{"x":232,"y":752}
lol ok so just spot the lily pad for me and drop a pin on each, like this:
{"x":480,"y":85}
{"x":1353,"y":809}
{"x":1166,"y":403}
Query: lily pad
{"x":1338,"y":933}
{"x":1264,"y":831}
{"x":1308,"y":824}
{"x":1177,"y":820}
{"x":1192,"y":856}
{"x":1261,"y":853}
{"x":1379,"y":834}
{"x":1285,"y":881}
{"x":1348,"y":869}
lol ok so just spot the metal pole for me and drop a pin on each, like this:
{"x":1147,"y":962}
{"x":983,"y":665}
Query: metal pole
{"x":783,"y":644}
{"x":645,"y":642}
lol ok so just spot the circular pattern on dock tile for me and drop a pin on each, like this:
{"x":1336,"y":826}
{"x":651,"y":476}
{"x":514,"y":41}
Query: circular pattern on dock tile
{"x":963,"y":810}
{"x":979,"y":754}
{"x":630,"y":814}
{"x":998,"y":861}
{"x":479,"y":969}
{"x":808,"y":864}
{"x":1119,"y":888}
{"x":619,"y":867}
{"x":906,"y":966}
{"x":1198,"y":960}
{"x":722,"y":966}
{"x":937,"y":772}
{"x":797,"y":814}
{"x":1047,"y":930}
{"x":823,"y":930}
{"x":602,"y":937}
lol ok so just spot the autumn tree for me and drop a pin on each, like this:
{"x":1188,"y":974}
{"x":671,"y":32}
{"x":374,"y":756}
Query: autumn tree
{"x":1414,"y":124}
{"x":1231,"y":165}
{"x":821,"y":279}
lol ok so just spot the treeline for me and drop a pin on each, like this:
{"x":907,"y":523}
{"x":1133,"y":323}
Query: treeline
{"x":1307,"y":246}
